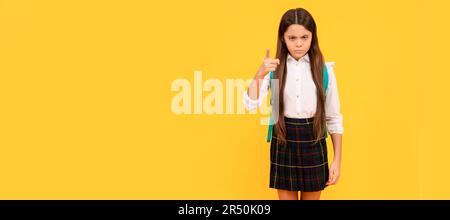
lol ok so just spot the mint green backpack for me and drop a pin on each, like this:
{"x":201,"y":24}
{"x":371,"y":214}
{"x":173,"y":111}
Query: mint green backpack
{"x":271,"y":122}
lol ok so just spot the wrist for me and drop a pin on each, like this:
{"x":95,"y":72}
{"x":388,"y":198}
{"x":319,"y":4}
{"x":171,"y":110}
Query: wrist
{"x":258,"y":76}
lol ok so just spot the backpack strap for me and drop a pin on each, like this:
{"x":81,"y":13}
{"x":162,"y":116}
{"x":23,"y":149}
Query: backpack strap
{"x":325,"y":79}
{"x":271,"y":122}
{"x":325,"y":88}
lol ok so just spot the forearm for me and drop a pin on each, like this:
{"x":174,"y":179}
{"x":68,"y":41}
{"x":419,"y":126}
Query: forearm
{"x":337,"y":146}
{"x":253,"y":89}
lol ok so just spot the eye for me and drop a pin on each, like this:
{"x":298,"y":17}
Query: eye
{"x":292,"y":38}
{"x":305,"y":37}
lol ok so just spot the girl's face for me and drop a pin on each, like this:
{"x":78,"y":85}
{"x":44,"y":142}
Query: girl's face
{"x":298,"y":40}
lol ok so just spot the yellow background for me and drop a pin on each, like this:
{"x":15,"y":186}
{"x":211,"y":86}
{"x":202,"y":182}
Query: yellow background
{"x":85,"y":98}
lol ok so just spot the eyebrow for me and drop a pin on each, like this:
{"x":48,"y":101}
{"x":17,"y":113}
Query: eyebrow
{"x":291,"y":35}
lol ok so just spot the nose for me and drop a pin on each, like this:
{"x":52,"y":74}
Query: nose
{"x":299,"y":43}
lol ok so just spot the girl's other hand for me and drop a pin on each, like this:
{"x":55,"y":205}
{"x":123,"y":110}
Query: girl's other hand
{"x":335,"y":172}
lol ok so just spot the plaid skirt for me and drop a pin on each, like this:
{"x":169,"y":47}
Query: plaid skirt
{"x":301,"y":165}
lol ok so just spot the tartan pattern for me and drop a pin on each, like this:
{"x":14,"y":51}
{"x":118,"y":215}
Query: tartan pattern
{"x":301,"y":165}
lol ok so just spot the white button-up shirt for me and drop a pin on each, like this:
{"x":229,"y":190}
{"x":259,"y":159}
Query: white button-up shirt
{"x":300,"y":97}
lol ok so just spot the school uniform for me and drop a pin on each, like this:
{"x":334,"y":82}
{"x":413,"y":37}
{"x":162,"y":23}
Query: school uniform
{"x":301,"y":164}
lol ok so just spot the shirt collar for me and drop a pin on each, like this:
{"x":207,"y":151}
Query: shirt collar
{"x":303,"y":59}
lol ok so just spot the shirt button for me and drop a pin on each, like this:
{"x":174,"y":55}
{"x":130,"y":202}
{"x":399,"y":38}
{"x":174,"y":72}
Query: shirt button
{"x":297,"y":80}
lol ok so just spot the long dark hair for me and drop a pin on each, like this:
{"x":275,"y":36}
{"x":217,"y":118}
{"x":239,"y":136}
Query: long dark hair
{"x":302,"y":17}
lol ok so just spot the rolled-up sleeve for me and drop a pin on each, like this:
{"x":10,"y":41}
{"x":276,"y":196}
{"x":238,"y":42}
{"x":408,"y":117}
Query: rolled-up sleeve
{"x":332,"y":105}
{"x":251,"y":104}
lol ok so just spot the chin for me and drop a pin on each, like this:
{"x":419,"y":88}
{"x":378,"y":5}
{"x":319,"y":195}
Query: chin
{"x":298,"y":56}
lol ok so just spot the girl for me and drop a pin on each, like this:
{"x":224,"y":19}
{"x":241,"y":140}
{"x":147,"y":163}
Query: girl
{"x":307,"y":111}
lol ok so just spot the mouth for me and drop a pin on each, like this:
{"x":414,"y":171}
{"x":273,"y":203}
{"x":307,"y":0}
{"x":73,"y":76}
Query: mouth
{"x":298,"y":51}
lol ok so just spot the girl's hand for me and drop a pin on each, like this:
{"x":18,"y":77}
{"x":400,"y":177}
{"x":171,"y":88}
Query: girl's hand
{"x":335,"y":172}
{"x":268,"y":65}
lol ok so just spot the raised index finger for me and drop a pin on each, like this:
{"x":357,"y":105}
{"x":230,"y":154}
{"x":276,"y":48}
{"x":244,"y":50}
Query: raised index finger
{"x":267,"y":53}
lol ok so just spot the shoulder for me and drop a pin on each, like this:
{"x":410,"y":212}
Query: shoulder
{"x":331,"y":75}
{"x":330,"y":67}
